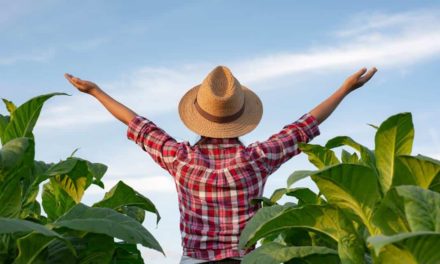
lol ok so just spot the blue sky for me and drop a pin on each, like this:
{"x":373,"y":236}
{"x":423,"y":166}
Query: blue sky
{"x":147,"y":54}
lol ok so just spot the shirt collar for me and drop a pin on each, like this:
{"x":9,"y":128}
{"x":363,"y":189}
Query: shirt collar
{"x":221,"y":141}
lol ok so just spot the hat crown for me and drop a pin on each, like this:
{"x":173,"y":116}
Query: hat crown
{"x":220,"y":93}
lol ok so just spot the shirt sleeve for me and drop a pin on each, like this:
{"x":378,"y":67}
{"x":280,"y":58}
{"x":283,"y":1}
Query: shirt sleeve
{"x":157,"y":143}
{"x":282,"y":146}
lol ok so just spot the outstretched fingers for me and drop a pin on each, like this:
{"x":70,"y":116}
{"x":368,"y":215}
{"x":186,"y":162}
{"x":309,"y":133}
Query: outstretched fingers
{"x":368,"y":75}
{"x":360,"y":72}
{"x":74,"y":80}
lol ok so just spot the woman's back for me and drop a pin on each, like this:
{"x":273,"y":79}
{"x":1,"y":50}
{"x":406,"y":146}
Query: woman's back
{"x":216,"y":180}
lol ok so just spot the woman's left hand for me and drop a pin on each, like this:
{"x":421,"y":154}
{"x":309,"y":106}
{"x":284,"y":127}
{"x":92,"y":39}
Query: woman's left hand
{"x":358,"y":79}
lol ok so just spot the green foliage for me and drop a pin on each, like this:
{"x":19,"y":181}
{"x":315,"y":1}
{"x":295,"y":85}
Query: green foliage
{"x":122,"y":196}
{"x":378,"y":206}
{"x":67,"y":231}
{"x":273,"y":253}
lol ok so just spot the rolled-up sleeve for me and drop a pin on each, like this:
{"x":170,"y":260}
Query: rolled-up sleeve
{"x":282,"y":146}
{"x":157,"y":143}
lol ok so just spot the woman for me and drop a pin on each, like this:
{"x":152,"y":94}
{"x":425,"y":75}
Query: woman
{"x":217,"y":177}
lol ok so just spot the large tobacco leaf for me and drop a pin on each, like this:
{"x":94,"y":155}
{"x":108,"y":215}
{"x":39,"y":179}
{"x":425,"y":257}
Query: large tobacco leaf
{"x":416,"y":170}
{"x":24,"y":118}
{"x":393,"y":138}
{"x":350,"y":187}
{"x":109,"y":222}
{"x":415,"y":247}
{"x":328,"y":220}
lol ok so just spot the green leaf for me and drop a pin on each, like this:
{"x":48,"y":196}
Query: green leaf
{"x":298,"y":175}
{"x":127,"y":254}
{"x":325,"y":219}
{"x":24,"y":118}
{"x":422,"y":208}
{"x":12,"y":225}
{"x":318,"y":155}
{"x":278,"y":194}
{"x":10,"y":197}
{"x":13,"y":155}
{"x":391,"y":254}
{"x":31,"y":246}
{"x":73,"y":176}
{"x":373,"y":126}
{"x":352,"y":188}
{"x":97,"y":170}
{"x":10,"y":106}
{"x":296,"y":237}
{"x":16,"y":161}
{"x":389,"y":215}
{"x":58,"y":252}
{"x":421,"y":245}
{"x":263,"y":201}
{"x":56,"y":201}
{"x":348,"y":157}
{"x":4,"y":120}
{"x":123,"y":195}
{"x":97,"y":248}
{"x":109,"y":222}
{"x":421,"y":171}
{"x":134,"y":212}
{"x":251,"y":233}
{"x":7,"y":248}
{"x":367,"y":155}
{"x":393,"y":138}
{"x":274,"y":253}
{"x":305,"y":196}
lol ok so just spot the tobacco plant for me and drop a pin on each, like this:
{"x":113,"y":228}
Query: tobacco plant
{"x":61,"y":229}
{"x":373,"y":206}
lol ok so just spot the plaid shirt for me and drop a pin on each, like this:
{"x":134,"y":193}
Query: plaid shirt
{"x":216,"y":180}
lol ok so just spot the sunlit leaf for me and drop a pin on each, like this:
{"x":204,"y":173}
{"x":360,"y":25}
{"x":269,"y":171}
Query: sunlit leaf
{"x":318,"y":155}
{"x":325,"y":219}
{"x":393,"y":138}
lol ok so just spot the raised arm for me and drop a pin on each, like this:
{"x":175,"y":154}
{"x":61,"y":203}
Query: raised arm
{"x":118,"y":110}
{"x":324,"y":109}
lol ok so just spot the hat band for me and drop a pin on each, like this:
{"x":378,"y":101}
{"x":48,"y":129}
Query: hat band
{"x":218,"y":119}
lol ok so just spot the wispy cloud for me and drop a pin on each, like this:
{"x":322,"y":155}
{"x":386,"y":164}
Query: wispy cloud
{"x":382,"y":40}
{"x":34,"y":56}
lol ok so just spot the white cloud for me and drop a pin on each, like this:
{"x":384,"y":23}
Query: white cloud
{"x":80,"y":109}
{"x":382,"y":40}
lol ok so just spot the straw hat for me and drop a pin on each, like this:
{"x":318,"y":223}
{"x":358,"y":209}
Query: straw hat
{"x":220,"y":107}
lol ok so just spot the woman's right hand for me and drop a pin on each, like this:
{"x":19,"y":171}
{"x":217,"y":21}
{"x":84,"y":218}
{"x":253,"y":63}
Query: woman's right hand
{"x":82,"y":85}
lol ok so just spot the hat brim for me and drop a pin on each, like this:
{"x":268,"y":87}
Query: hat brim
{"x":253,"y":111}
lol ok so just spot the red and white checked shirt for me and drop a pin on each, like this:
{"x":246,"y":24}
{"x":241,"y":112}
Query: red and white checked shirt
{"x":216,"y":180}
